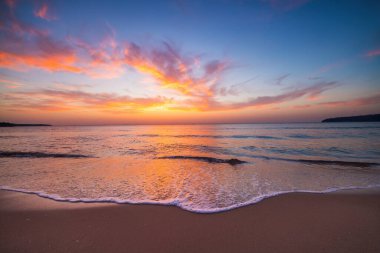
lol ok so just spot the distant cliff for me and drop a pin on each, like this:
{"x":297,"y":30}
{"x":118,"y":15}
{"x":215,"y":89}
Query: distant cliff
{"x":362,"y":118}
{"x":7,"y":124}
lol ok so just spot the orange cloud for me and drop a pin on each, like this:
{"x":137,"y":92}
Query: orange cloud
{"x":50,"y":62}
{"x":62,"y":100}
{"x":25,"y":46}
{"x":173,"y":70}
{"x":77,"y":100}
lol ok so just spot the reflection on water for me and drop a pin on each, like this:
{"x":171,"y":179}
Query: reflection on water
{"x":123,"y":164}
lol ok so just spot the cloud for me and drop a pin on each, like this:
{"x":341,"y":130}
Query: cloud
{"x":193,"y":77}
{"x":51,"y":62}
{"x":10,"y":84}
{"x":302,"y":106}
{"x":176,"y":71}
{"x":35,"y":50}
{"x":329,"y":67}
{"x":59,"y":100}
{"x":26,"y":47}
{"x":10,"y":3}
{"x":43,"y":11}
{"x":308,"y":92}
{"x":363,"y":101}
{"x":104,"y":60}
{"x":373,"y":53}
{"x":74,"y":99}
{"x":280,"y":79}
{"x":375,"y":99}
{"x":71,"y":86}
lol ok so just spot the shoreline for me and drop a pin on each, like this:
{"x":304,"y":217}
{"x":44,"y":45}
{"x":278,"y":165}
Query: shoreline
{"x":342,"y":221}
{"x":70,"y":201}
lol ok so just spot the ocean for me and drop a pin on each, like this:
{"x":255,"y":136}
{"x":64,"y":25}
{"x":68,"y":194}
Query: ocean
{"x":199,"y":168}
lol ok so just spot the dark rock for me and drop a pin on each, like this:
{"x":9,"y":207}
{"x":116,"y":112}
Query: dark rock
{"x":232,"y":161}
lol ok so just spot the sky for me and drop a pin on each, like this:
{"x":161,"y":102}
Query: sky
{"x":188,"y":61}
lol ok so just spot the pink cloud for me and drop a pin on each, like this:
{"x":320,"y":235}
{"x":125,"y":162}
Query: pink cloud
{"x":373,"y":53}
{"x":10,"y":84}
{"x":11,"y":3}
{"x":327,"y":68}
{"x":375,"y":99}
{"x":363,"y":101}
{"x":43,"y":11}
{"x":302,"y":106}
{"x":330,"y":67}
{"x":310,"y":91}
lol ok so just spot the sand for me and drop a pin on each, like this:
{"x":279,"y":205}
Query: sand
{"x":296,"y":222}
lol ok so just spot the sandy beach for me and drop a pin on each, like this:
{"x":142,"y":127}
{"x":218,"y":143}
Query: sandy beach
{"x":347,"y":221}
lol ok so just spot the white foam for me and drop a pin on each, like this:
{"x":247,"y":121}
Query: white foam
{"x":177,"y":202}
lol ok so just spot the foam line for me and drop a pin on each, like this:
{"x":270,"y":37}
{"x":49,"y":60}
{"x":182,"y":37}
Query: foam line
{"x":176,"y":202}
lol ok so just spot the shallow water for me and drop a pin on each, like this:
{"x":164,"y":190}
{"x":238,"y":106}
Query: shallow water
{"x":188,"y":165}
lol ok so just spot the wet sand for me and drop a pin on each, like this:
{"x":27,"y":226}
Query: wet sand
{"x":347,"y":221}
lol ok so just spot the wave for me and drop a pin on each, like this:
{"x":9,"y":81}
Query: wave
{"x":341,"y":163}
{"x":232,"y":161}
{"x":320,"y":162}
{"x":338,"y":150}
{"x":265,"y":137}
{"x":253,"y":149}
{"x":304,"y":136}
{"x":179,"y":203}
{"x":217,"y":150}
{"x":337,"y":153}
{"x":19,"y":154}
{"x":214,"y":136}
{"x":339,"y":127}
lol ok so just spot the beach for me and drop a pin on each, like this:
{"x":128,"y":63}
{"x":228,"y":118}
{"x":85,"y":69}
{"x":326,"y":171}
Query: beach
{"x":344,"y":221}
{"x":180,"y":126}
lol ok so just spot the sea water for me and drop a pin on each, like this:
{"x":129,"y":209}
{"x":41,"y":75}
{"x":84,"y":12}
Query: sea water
{"x":189,"y":165}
